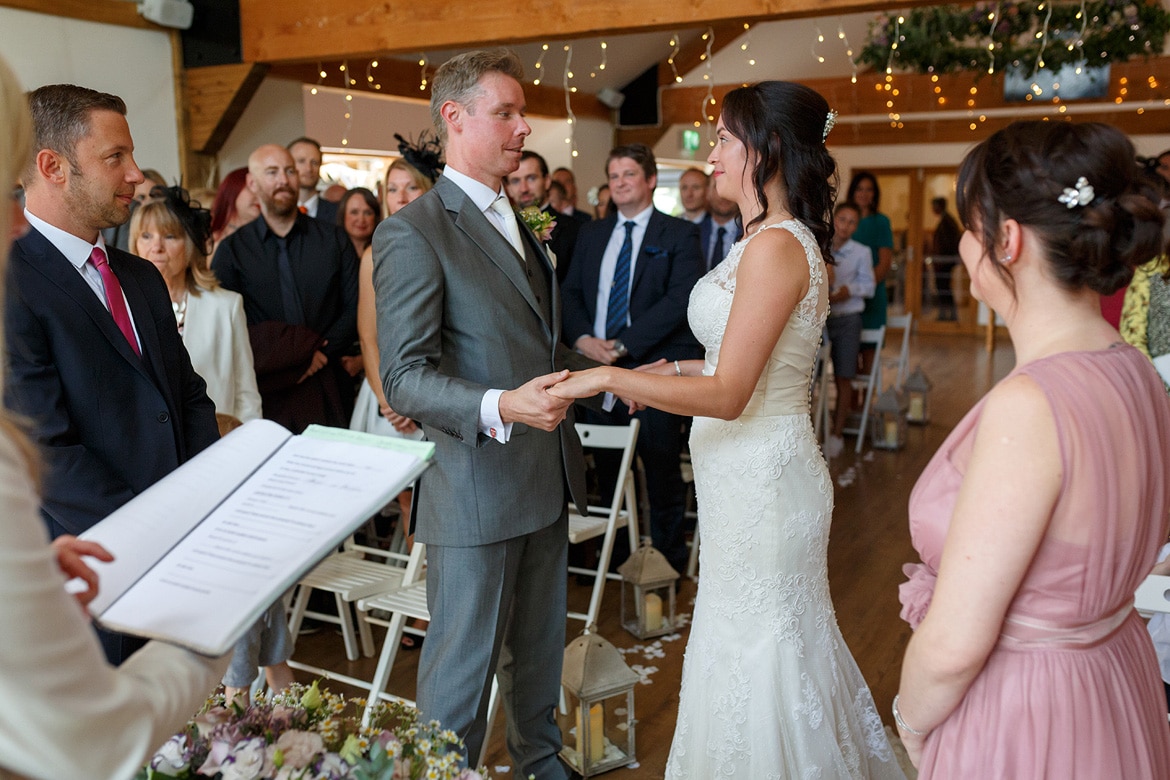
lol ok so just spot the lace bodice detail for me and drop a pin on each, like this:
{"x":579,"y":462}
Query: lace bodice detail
{"x":783,"y":386}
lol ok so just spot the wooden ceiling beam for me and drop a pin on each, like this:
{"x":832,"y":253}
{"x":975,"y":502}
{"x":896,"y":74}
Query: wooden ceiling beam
{"x":308,"y":30}
{"x":215,"y":98}
{"x":117,"y":12}
{"x":919,"y":94}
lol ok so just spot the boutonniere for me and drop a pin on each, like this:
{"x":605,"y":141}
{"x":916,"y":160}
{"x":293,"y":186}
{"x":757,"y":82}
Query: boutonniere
{"x":539,"y":222}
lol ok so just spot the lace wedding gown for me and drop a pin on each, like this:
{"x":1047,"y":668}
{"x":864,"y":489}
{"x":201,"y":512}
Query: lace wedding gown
{"x":769,"y":689}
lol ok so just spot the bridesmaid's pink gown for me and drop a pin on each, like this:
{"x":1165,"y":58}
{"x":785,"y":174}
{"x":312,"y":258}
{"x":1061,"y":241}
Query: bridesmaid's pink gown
{"x":1072,"y":689}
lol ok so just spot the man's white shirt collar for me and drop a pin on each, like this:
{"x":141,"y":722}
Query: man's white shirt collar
{"x":481,"y":195}
{"x":76,"y":250}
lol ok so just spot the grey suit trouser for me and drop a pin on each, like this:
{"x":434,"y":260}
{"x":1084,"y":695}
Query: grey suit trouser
{"x":499,"y":608}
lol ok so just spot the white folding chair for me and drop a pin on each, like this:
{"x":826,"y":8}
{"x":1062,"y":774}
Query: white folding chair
{"x":407,"y":602}
{"x":875,"y":338}
{"x":353,"y":573}
{"x":604,"y":521}
{"x":903,"y":323}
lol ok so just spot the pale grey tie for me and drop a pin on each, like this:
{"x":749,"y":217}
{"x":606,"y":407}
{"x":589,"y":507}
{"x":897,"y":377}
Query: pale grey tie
{"x":511,"y":230}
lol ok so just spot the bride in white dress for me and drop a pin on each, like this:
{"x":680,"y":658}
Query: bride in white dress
{"x":769,"y":689}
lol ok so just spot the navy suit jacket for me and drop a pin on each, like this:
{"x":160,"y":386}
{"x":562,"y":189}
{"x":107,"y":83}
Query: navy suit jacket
{"x":563,"y":240}
{"x":706,"y":227}
{"x":668,"y":265}
{"x":109,"y":423}
{"x":326,"y":210}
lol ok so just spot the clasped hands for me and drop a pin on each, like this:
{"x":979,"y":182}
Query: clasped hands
{"x":543,"y":402}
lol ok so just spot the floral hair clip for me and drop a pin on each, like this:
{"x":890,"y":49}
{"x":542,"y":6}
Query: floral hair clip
{"x":1080,"y":195}
{"x":830,"y":120}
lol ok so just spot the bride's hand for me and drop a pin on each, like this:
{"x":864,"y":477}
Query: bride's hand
{"x":579,"y":384}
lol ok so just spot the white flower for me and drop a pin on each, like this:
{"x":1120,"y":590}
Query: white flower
{"x":247,"y":761}
{"x":172,"y":757}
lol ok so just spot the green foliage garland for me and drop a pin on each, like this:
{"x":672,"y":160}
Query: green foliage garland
{"x":947,"y":39}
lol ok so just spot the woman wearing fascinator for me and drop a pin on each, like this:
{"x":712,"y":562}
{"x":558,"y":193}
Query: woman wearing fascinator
{"x":769,"y":688}
{"x":406,"y":179}
{"x":1044,"y":509}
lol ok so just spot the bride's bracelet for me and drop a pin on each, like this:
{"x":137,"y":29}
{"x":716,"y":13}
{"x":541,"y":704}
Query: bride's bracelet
{"x":677,"y":368}
{"x":902,"y":724}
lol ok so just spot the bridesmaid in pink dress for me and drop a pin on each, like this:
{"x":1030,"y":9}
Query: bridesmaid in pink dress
{"x":1046,"y":506}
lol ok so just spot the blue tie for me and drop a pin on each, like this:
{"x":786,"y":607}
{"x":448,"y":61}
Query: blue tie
{"x":717,"y":251}
{"x":619,"y":293}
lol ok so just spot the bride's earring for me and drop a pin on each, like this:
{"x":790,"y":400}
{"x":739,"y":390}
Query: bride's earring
{"x":1005,"y":259}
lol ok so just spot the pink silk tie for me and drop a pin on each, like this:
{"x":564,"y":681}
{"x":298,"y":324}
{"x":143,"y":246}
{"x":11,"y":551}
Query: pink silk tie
{"x":114,"y":298}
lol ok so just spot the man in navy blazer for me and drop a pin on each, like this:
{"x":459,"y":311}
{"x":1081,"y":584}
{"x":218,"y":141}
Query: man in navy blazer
{"x":114,"y":407}
{"x":664,"y":263}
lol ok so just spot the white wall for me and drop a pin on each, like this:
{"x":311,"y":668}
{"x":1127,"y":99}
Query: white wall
{"x":275,"y":115}
{"x":133,"y":64}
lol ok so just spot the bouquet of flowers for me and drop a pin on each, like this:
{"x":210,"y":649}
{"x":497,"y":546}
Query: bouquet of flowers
{"x":539,"y":222}
{"x":305,"y":733}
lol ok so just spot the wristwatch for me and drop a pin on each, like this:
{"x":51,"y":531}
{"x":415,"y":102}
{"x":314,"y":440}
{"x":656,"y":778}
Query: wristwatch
{"x":620,"y":348}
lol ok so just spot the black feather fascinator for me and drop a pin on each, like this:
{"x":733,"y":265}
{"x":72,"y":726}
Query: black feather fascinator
{"x":425,"y":154}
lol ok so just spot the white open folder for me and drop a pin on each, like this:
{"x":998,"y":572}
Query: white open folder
{"x":204,"y":552}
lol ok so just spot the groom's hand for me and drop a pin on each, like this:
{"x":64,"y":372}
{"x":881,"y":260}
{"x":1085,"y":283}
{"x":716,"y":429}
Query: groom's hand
{"x":532,"y":405}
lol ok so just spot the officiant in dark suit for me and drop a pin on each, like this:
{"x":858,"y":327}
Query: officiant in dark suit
{"x":469,"y":331}
{"x":95,"y":358}
{"x":626,"y":301}
{"x":528,"y":186}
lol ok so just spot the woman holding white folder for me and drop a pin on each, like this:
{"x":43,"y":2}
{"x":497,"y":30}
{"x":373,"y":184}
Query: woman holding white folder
{"x":67,"y":712}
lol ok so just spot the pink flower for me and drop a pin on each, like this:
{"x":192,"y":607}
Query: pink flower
{"x":916,"y":593}
{"x":299,"y":748}
{"x":210,"y":720}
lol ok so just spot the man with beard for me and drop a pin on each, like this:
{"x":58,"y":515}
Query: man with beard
{"x":96,"y":363}
{"x":298,"y":277}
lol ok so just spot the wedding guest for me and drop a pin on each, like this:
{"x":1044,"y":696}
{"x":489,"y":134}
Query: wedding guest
{"x":1046,"y":506}
{"x":69,"y":713}
{"x":852,"y":284}
{"x":94,"y":364}
{"x":692,"y":194}
{"x":171,"y":231}
{"x":235,"y":205}
{"x":603,"y":198}
{"x":306,"y":154}
{"x":569,"y":182}
{"x":371,"y":412}
{"x":357,"y":214}
{"x":873,"y":230}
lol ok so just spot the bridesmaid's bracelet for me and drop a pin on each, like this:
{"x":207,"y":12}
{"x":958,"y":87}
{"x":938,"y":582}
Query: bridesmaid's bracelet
{"x":677,"y":368}
{"x":902,"y":724}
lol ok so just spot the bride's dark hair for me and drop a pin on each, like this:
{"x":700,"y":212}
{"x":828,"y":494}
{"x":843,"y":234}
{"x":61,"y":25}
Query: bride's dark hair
{"x":784,"y":125}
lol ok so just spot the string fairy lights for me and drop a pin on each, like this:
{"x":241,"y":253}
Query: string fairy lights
{"x":674,"y":41}
{"x":570,"y":139}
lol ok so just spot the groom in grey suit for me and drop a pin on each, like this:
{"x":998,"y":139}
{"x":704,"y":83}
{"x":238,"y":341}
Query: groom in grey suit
{"x":469,"y":334}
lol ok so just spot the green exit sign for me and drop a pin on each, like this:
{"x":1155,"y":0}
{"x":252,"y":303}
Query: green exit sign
{"x":690,"y":140}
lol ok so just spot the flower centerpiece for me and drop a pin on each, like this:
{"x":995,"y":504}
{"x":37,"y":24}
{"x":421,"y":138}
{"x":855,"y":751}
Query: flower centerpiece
{"x":307,"y":732}
{"x":539,"y":222}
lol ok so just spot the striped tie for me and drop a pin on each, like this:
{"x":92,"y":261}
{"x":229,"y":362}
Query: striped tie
{"x":619,"y":293}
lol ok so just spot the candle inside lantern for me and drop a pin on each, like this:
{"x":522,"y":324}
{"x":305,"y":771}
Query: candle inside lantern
{"x":594,"y":751}
{"x":917,"y":411}
{"x":653,"y":612}
{"x":891,"y":433}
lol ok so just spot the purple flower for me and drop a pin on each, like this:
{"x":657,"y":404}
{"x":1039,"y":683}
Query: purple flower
{"x":174,"y":756}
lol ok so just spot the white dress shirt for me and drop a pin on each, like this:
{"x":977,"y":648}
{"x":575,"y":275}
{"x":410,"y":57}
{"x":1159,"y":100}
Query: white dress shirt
{"x":490,"y":422}
{"x":609,"y":263}
{"x":77,"y":252}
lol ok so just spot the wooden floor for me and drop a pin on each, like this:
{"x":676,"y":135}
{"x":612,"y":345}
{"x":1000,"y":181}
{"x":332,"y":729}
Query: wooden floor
{"x":867,"y":547}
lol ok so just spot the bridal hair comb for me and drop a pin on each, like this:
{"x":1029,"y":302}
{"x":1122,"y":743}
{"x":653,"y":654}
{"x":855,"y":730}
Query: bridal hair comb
{"x":830,"y":120}
{"x":1079,"y":195}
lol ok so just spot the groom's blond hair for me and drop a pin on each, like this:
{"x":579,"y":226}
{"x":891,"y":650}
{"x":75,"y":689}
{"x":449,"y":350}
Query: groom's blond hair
{"x":457,"y":80}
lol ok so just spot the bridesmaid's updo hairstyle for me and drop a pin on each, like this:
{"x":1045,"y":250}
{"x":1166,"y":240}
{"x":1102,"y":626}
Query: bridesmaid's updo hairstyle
{"x":1032,"y":171}
{"x":784,"y":125}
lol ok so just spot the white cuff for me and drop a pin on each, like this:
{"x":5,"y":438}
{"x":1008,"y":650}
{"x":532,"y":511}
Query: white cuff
{"x":490,"y":422}
{"x":608,"y":402}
